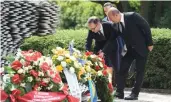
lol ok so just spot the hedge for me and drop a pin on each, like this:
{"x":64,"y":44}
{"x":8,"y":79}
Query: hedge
{"x":158,"y":67}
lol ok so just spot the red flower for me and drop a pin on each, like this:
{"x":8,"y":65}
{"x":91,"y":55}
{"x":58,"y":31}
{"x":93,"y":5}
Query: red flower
{"x":103,"y":61}
{"x":16,"y":65}
{"x":57,"y":78}
{"x":36,"y":87}
{"x":105,"y":66}
{"x":88,"y":53}
{"x":31,"y":56}
{"x":45,"y":66}
{"x":97,"y":68}
{"x":16,"y":92}
{"x":43,"y":83}
{"x":16,"y":79}
{"x":65,"y":89}
{"x":110,"y":86}
{"x":34,"y":73}
{"x":26,"y":64}
{"x":104,"y":72}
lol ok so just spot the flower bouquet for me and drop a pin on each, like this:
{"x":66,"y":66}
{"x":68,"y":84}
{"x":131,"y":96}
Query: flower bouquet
{"x":102,"y":78}
{"x":33,"y":77}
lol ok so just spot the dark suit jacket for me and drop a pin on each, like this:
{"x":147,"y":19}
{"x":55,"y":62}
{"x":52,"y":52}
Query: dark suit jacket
{"x":136,"y":34}
{"x":100,"y":43}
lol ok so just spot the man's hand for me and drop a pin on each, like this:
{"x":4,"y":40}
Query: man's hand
{"x":150,"y":48}
{"x":101,"y":54}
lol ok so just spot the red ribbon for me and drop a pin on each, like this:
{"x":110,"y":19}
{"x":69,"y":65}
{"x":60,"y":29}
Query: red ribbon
{"x":35,"y":96}
{"x":4,"y":96}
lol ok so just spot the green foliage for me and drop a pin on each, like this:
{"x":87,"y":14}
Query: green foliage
{"x":102,"y":90}
{"x":74,"y":14}
{"x":158,"y":68}
{"x":135,"y":5}
{"x":166,"y":19}
{"x":46,"y":43}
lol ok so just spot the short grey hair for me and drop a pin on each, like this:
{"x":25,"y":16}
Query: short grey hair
{"x":93,"y":19}
{"x":108,"y":4}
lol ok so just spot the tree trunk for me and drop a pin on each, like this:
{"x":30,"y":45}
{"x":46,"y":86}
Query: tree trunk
{"x":144,"y":9}
{"x":125,"y":5}
{"x":158,"y":11}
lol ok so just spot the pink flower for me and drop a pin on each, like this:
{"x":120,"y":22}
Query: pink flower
{"x":97,"y":68}
{"x":45,"y":66}
{"x":34,"y":73}
{"x":104,"y":72}
{"x":16,"y":79}
{"x":16,"y":65}
{"x":57,"y":78}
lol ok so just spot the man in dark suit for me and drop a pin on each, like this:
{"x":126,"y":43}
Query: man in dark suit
{"x":136,"y":33}
{"x":101,"y":32}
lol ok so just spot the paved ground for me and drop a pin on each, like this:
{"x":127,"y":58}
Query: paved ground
{"x":148,"y":97}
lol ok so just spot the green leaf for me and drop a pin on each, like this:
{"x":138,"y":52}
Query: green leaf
{"x":22,"y":91}
{"x":28,"y":87}
{"x":10,"y":57}
{"x":8,"y":69}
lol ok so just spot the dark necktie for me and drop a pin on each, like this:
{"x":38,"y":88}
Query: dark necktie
{"x":102,"y":36}
{"x":121,"y":26}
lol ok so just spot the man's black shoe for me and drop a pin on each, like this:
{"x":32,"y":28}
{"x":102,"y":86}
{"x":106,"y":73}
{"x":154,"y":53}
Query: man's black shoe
{"x":132,"y":97}
{"x":119,"y":95}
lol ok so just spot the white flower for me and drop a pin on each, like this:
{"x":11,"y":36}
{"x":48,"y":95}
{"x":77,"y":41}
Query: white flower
{"x":96,"y":63}
{"x":46,"y":80}
{"x":22,"y":61}
{"x":73,"y":58}
{"x":26,"y":69}
{"x":30,"y":67}
{"x":63,"y":63}
{"x":76,"y":65}
{"x":38,"y":79}
{"x":60,"y":58}
{"x":50,"y":86}
{"x":39,"y":88}
{"x":99,"y":73}
{"x":93,"y":56}
{"x":30,"y":79}
{"x":58,"y":48}
{"x":71,"y":69}
{"x":20,"y":71}
{"x":100,"y":64}
{"x":23,"y":84}
{"x":12,"y":88}
{"x":2,"y":70}
{"x":6,"y":78}
{"x":40,"y":73}
{"x":48,"y":60}
{"x":67,"y":55}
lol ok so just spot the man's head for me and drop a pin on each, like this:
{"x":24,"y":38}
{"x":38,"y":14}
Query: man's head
{"x":107,"y":6}
{"x":94,"y":24}
{"x":114,"y":15}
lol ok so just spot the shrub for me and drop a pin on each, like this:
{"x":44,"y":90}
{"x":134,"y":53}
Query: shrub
{"x":158,"y":67}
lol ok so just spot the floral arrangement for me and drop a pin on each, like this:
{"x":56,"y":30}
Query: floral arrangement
{"x":85,"y":66}
{"x":31,"y":71}
{"x":102,"y":78}
{"x":63,"y":58}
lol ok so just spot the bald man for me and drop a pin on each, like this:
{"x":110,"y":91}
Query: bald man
{"x":135,"y":31}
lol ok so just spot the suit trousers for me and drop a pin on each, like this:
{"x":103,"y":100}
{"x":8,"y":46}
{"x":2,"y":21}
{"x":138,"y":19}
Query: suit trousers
{"x":125,"y":65}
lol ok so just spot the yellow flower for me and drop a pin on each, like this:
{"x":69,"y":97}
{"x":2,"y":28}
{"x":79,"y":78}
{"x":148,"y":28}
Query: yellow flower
{"x":54,"y":57}
{"x":68,"y":61}
{"x":59,"y":68}
{"x":81,"y":72}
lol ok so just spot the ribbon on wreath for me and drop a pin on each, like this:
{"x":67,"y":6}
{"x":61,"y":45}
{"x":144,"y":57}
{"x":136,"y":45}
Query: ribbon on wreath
{"x":35,"y":96}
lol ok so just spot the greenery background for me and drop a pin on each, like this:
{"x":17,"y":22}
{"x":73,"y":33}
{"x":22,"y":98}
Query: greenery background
{"x":74,"y":15}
